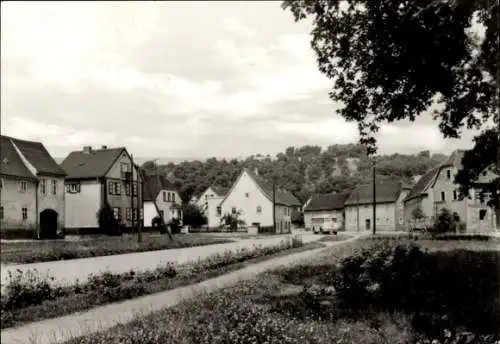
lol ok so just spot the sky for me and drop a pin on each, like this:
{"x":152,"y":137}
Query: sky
{"x":175,"y":79}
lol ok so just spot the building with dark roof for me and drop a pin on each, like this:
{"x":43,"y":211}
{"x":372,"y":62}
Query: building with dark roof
{"x":208,"y":203}
{"x":96,"y":177}
{"x":389,"y":207}
{"x":31,"y":188}
{"x":436,"y":190}
{"x":255,"y":199}
{"x":159,"y":190}
{"x":325,"y":212}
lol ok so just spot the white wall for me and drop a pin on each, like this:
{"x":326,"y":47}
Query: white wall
{"x":12,"y":199}
{"x":248,"y":205}
{"x":208,"y":203}
{"x":51,"y":201}
{"x":385,"y":212}
{"x":149,"y":213}
{"x":82,"y":208}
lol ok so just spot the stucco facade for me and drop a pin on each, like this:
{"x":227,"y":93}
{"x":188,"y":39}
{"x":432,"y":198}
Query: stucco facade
{"x":250,"y":201}
{"x":83,"y":201}
{"x":208,"y":203}
{"x":168,"y":202}
{"x":13,"y":199}
{"x":385,"y":213}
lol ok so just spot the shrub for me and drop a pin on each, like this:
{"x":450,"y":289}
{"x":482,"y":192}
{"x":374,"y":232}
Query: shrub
{"x":446,"y":222}
{"x":107,"y":222}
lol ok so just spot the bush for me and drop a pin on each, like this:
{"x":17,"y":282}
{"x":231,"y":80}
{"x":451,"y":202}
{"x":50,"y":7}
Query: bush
{"x":447,"y":222}
{"x":192,"y":216}
{"x":18,"y":233}
{"x":107,"y":222}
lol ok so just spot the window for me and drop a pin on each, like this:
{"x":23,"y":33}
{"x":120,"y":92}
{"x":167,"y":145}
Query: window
{"x":73,"y":188}
{"x":164,"y":196}
{"x":134,"y":189}
{"x":173,"y":196}
{"x":482,"y":214}
{"x":118,"y":188}
{"x":140,"y":214}
{"x":448,"y":174}
{"x":334,"y":220}
{"x":134,"y":213}
{"x":443,"y":198}
{"x":124,"y":167}
{"x":111,"y":187}
{"x":162,"y":214}
{"x":169,"y":199}
{"x":116,"y":213}
{"x":455,"y":194}
{"x":219,"y":211}
{"x":54,"y":186}
{"x":127,"y":188}
{"x":24,"y":213}
{"x":127,"y":214}
{"x":259,"y":209}
{"x":24,"y":186}
{"x":247,"y":195}
{"x":43,"y":186}
{"x":233,"y":210}
{"x":1,"y":213}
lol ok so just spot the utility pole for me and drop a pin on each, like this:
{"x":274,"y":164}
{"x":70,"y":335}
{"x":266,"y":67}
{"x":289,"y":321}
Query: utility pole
{"x":274,"y":206}
{"x":131,"y":190}
{"x":357,"y":207}
{"x":374,"y":200}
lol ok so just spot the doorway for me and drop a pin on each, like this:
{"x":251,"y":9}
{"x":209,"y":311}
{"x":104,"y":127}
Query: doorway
{"x":48,"y":224}
{"x":367,"y":224}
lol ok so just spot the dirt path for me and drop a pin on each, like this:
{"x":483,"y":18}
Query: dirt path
{"x":59,"y":330}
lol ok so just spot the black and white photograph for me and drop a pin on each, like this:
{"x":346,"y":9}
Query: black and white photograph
{"x":250,"y":172}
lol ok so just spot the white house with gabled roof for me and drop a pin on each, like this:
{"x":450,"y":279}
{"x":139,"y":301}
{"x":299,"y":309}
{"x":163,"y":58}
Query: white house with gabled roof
{"x":252,"y":197}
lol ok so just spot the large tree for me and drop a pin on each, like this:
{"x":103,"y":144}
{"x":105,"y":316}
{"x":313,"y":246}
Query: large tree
{"x":398,"y":59}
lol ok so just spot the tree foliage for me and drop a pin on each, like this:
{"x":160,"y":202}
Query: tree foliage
{"x":302,"y":170}
{"x":391,"y":60}
{"x":192,"y":216}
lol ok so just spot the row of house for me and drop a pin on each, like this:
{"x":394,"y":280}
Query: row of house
{"x":37,"y":193}
{"x":396,"y":203}
{"x":253,"y":200}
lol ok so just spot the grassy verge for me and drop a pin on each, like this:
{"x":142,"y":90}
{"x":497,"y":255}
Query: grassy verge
{"x":370,"y":292}
{"x":30,"y":298}
{"x":337,"y":237}
{"x":44,"y":251}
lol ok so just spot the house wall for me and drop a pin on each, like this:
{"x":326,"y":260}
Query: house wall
{"x":149,"y":211}
{"x":208,"y":202}
{"x":49,"y":200}
{"x":123,"y":201}
{"x":326,"y":218}
{"x":12,"y":199}
{"x":283,"y":218}
{"x":425,"y":203}
{"x":385,"y":212}
{"x":446,"y":185}
{"x":400,"y":210}
{"x":248,"y":205}
{"x":81,"y":208}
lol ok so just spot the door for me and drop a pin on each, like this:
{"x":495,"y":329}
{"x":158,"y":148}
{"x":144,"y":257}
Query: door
{"x":48,"y":224}
{"x":367,"y":224}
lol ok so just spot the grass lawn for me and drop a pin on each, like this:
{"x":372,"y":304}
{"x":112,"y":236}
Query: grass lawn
{"x":32,"y":300}
{"x":44,"y":251}
{"x":368,"y":292}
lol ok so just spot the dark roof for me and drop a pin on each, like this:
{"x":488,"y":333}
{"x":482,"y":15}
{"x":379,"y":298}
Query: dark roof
{"x":386,"y":192}
{"x":80,"y":165}
{"x":419,"y":187}
{"x":36,"y":154}
{"x":455,"y":159}
{"x":327,"y":202}
{"x":283,"y":197}
{"x":219,"y":190}
{"x":11,"y":163}
{"x":153,"y":184}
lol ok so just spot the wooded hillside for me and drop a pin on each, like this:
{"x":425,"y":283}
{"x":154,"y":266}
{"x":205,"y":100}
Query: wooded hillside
{"x":303,"y":171}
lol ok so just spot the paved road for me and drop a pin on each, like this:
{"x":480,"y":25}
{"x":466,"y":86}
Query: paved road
{"x":59,"y":330}
{"x":67,"y":272}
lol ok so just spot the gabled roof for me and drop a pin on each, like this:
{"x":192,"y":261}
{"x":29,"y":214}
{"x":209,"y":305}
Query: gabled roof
{"x":421,"y":185}
{"x":430,"y":177}
{"x":322,"y":202}
{"x":283,"y":197}
{"x":153,"y":184}
{"x":81,"y":165}
{"x":36,"y":154}
{"x":386,"y":192}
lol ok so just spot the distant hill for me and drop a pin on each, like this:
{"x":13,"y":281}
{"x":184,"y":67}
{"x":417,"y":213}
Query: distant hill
{"x":304,"y":170}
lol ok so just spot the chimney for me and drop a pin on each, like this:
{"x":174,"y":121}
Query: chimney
{"x":87,"y":149}
{"x":104,"y":147}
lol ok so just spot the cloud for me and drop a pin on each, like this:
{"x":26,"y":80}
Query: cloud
{"x":168,"y":79}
